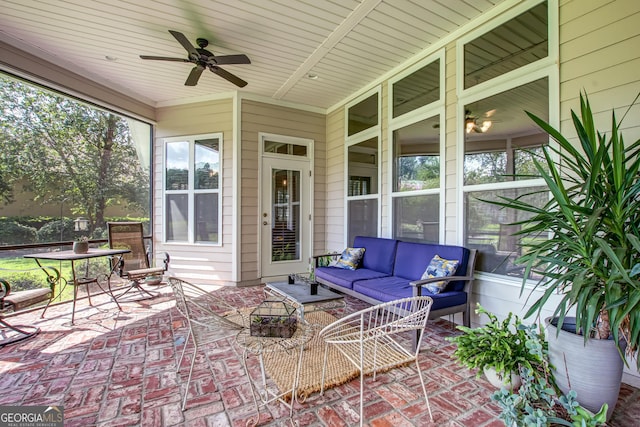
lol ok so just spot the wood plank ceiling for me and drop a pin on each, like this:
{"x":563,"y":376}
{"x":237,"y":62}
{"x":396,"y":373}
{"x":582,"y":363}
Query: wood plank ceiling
{"x":347,"y":44}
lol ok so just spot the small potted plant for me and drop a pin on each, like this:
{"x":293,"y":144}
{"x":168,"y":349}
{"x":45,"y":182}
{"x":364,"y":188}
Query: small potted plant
{"x":497,"y":349}
{"x":538,"y":401}
{"x":81,"y":245}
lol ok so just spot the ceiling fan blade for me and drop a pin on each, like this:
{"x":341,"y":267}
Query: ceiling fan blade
{"x":232,"y":59}
{"x":194,"y":76}
{"x":163,"y":58}
{"x":185,"y":43}
{"x":228,"y":76}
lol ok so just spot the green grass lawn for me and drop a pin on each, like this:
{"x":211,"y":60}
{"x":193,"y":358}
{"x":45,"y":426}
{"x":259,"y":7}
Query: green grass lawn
{"x":24,"y":273}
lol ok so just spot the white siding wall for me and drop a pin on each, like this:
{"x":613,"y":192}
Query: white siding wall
{"x":335,"y":209}
{"x":259,"y":117}
{"x":201,"y":263}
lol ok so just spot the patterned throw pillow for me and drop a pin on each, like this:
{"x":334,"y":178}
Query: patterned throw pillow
{"x":439,"y":267}
{"x":350,"y":258}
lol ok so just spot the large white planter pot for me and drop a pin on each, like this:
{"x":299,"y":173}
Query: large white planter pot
{"x":593,"y":371}
{"x":499,"y":379}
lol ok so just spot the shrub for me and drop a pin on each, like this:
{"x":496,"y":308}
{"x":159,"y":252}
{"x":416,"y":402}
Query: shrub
{"x":57,"y":231}
{"x":13,"y":233}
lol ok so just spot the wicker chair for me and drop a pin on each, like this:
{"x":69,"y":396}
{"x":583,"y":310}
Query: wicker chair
{"x":134,"y":266}
{"x":209,"y":318}
{"x":370,"y":339}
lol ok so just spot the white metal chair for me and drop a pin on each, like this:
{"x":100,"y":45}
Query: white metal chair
{"x":370,"y":339}
{"x":209,"y":317}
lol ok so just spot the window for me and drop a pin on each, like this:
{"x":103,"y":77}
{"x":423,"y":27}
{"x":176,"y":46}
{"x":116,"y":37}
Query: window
{"x":417,"y":107}
{"x":362,"y":191}
{"x":363,"y":115}
{"x":363,"y":166}
{"x":416,"y":181}
{"x":193,"y":189}
{"x":500,"y":140}
{"x":518,"y":42}
{"x":420,"y":88}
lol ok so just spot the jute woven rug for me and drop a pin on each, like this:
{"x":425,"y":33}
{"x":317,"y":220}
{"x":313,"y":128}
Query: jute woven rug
{"x":281,"y":366}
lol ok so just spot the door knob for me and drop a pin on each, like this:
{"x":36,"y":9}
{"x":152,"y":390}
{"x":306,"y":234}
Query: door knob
{"x":264,"y":222}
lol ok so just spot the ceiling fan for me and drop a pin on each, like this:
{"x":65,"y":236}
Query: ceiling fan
{"x":471,"y":122}
{"x":203,"y":59}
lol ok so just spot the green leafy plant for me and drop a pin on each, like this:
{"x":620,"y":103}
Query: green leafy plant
{"x":592,"y":254}
{"x":500,"y":345}
{"x":537,"y":402}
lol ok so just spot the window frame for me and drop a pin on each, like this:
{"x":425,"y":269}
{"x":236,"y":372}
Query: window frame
{"x":543,"y":68}
{"x":191,"y":191}
{"x":435,"y":108}
{"x":364,"y":135}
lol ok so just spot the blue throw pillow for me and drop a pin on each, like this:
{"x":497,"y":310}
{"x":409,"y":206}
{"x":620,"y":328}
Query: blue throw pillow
{"x":439,"y":267}
{"x":350,"y":258}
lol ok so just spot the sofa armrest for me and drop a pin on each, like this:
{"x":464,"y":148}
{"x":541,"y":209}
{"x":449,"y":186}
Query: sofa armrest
{"x":317,"y":257}
{"x":440,"y":279}
{"x":417,"y":284}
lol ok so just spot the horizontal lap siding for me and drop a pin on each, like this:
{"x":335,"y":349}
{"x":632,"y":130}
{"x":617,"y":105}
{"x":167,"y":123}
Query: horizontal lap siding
{"x":200,"y":263}
{"x":335,"y":209}
{"x":258,"y":117}
{"x":599,"y":54}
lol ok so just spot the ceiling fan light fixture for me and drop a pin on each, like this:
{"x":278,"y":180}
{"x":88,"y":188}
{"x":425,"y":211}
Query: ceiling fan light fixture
{"x":469,"y":125}
{"x":486,"y":125}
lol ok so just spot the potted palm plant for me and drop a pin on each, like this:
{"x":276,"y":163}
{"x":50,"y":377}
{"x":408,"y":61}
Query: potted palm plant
{"x":589,"y":254}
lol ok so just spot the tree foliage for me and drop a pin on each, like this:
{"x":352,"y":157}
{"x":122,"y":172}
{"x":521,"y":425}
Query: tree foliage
{"x":64,"y":150}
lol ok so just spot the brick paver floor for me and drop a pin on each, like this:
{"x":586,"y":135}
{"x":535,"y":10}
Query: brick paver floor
{"x":119,"y":369}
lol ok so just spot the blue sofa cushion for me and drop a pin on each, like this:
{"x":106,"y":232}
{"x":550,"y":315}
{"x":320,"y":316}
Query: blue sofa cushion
{"x":412,"y":260}
{"x":390,"y":288}
{"x":379,"y":254}
{"x":345,"y":278}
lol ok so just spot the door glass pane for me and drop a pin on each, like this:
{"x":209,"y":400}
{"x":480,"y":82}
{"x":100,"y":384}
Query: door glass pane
{"x":177,"y":172}
{"x":177,"y":217}
{"x":206,"y":217}
{"x":285,"y":232}
{"x":207,"y":164}
{"x":285,"y":148}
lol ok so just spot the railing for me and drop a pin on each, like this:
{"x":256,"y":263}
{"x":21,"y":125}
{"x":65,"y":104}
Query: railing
{"x":24,"y":274}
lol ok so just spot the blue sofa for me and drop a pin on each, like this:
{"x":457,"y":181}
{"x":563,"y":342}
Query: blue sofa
{"x":391,"y":269}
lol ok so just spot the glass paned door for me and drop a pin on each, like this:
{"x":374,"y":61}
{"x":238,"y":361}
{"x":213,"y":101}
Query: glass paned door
{"x":285,"y":220}
{"x":285,"y":227}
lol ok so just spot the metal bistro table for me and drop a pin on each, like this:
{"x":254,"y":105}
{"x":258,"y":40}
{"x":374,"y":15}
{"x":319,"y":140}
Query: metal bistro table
{"x":81,"y":281}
